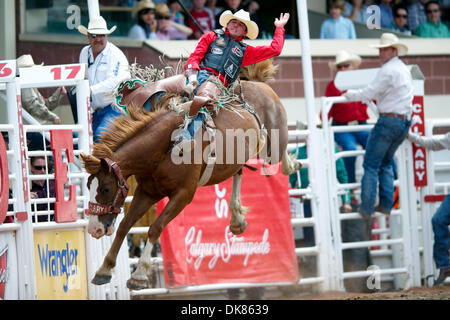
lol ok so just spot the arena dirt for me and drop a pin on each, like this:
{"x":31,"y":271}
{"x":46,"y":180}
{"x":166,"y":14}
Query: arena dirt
{"x":435,"y":293}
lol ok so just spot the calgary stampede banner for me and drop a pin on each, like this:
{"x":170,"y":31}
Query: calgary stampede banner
{"x":198,"y":247}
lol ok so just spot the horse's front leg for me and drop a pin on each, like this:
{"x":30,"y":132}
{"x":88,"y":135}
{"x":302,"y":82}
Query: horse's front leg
{"x":140,"y":204}
{"x":145,"y":268}
{"x":238,"y":212}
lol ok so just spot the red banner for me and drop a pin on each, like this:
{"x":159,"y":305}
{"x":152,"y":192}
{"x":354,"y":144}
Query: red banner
{"x":198,"y":247}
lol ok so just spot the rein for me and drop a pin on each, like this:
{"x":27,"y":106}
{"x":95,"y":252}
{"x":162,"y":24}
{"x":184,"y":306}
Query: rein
{"x":122,"y":190}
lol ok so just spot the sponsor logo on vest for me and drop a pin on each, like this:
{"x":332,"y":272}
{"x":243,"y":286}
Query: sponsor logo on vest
{"x":237,"y":51}
{"x":216,"y":51}
{"x":230,"y":70}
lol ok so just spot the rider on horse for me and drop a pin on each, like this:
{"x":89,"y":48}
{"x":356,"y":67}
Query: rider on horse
{"x":222,"y":53}
{"x":219,"y":54}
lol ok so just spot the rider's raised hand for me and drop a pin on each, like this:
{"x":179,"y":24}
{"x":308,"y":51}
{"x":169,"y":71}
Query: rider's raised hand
{"x":284,"y":17}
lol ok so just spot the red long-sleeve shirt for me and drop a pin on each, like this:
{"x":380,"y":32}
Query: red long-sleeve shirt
{"x":345,"y":112}
{"x":251,"y":55}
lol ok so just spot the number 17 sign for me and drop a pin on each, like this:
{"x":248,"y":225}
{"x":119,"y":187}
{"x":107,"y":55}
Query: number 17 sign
{"x":47,"y":76}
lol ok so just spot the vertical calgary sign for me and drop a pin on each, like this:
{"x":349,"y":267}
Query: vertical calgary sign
{"x":419,"y":153}
{"x":198,"y":247}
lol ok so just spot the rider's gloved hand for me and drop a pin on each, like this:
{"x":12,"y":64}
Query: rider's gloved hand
{"x":192,"y":77}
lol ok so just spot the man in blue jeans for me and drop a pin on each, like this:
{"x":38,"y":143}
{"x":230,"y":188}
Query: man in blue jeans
{"x":393,"y":90}
{"x":441,"y":219}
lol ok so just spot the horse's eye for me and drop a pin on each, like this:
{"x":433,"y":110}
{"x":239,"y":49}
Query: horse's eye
{"x":104,"y":190}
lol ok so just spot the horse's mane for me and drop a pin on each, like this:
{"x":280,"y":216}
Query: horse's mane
{"x":263,"y":71}
{"x":124,"y":128}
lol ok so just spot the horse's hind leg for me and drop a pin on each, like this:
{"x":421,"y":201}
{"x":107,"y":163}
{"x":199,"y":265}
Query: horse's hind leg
{"x":141,"y":202}
{"x":289,"y":164}
{"x":141,"y":277}
{"x":238,"y":212}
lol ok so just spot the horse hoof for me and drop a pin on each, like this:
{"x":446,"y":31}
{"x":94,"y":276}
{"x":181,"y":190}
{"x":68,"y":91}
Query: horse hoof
{"x":134,"y":284}
{"x":238,"y":229}
{"x":101,"y":279}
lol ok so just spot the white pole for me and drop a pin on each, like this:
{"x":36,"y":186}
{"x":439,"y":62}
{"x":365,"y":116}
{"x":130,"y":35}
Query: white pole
{"x":94,"y":10}
{"x":308,"y":81}
{"x":24,"y":236}
{"x":317,"y":152}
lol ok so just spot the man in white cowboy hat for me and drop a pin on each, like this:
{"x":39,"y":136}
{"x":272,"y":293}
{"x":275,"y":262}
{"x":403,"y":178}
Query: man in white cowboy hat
{"x":34,"y":102}
{"x":222,"y":53}
{"x":107,"y":67}
{"x":393,"y":90}
{"x":348,"y":113}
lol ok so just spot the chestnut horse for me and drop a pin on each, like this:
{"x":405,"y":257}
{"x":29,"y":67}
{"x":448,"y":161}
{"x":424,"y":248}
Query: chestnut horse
{"x":140,"y":144}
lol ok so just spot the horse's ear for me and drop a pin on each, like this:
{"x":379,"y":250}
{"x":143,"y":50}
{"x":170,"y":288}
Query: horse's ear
{"x":90,"y":163}
{"x":104,"y":165}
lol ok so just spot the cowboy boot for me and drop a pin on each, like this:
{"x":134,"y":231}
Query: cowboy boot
{"x":206,"y":95}
{"x":443,"y":274}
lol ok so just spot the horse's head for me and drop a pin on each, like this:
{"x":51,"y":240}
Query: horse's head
{"x":108,"y":190}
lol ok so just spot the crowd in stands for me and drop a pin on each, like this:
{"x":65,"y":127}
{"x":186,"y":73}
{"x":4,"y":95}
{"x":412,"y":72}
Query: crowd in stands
{"x":167,"y":20}
{"x":411,"y":17}
{"x":423,"y":18}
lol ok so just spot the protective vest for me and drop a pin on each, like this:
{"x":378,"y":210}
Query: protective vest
{"x":225,"y":56}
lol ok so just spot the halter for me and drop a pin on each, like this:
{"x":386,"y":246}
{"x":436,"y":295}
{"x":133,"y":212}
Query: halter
{"x":114,"y":207}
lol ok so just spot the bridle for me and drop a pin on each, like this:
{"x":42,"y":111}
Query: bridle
{"x":98,"y":209}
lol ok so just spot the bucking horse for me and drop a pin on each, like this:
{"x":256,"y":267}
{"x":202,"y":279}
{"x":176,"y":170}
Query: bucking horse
{"x":140,"y":144}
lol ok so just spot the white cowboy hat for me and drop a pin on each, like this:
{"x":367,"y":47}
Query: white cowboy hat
{"x":244,"y":17}
{"x":26,"y":60}
{"x":97,"y":25}
{"x":344,"y":56}
{"x":391,"y":40}
{"x":143,"y":4}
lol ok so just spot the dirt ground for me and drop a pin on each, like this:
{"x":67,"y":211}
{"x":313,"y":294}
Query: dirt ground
{"x":434,"y":293}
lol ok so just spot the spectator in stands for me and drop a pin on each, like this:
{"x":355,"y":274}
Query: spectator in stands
{"x":401,"y":20}
{"x":253,"y":8}
{"x":203,"y":18}
{"x":40,"y":188}
{"x":416,"y":14}
{"x":355,"y":10}
{"x":213,"y":11}
{"x":167,"y":28}
{"x":433,"y":27}
{"x":441,"y":219}
{"x":393,"y":90}
{"x":176,"y":12}
{"x":387,"y":17}
{"x":145,"y":28}
{"x":107,"y":67}
{"x":337,"y":26}
{"x":350,"y":113}
{"x":232,"y":5}
{"x":33,"y":101}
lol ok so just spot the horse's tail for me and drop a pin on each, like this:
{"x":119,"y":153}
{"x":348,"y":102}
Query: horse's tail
{"x":262,"y":71}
